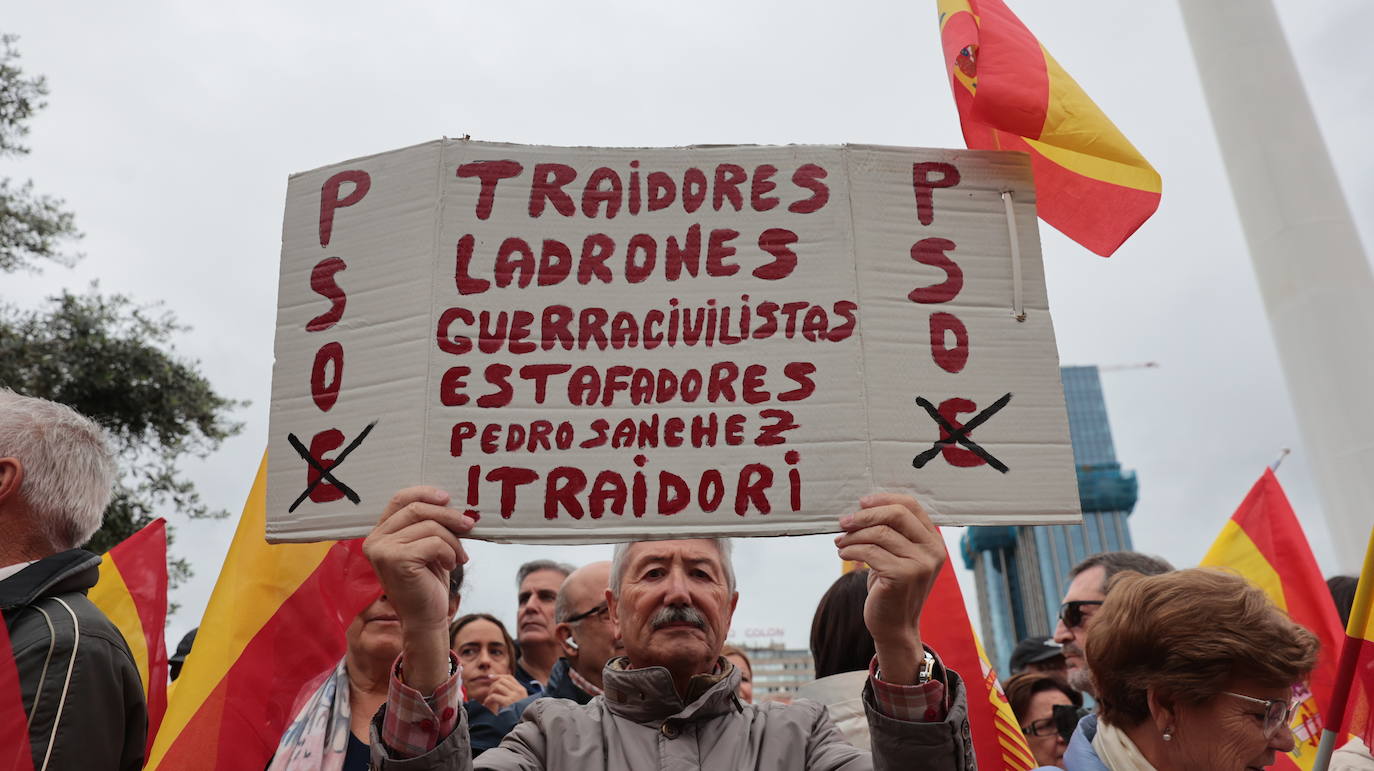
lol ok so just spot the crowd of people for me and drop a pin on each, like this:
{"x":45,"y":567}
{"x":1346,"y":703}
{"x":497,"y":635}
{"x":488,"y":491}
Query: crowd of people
{"x":624,"y":664}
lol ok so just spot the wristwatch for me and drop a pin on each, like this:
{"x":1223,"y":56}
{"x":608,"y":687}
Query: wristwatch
{"x":927,"y":672}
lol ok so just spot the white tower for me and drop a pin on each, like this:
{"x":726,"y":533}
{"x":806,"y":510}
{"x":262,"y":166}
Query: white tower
{"x":1314,"y":276}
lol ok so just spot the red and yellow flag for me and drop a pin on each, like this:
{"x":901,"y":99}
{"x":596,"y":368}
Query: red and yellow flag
{"x":1090,"y":181}
{"x":132,"y":593}
{"x":1264,"y":542}
{"x":997,"y":738}
{"x":15,"y":754}
{"x":1352,"y":705}
{"x":276,"y":619}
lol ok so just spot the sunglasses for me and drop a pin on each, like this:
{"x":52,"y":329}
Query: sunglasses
{"x":1071,"y":613}
{"x":1277,"y":712}
{"x":596,"y":611}
{"x":1063,"y":723}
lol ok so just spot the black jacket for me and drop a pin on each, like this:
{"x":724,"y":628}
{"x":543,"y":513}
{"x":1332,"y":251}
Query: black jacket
{"x":81,"y":688}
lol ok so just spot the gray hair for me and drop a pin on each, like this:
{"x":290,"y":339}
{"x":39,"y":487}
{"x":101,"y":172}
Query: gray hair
{"x":534,"y":566}
{"x":620,"y":562}
{"x":69,"y":468}
{"x":1113,"y":562}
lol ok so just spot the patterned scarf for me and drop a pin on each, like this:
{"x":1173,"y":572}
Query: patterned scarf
{"x":318,"y":737}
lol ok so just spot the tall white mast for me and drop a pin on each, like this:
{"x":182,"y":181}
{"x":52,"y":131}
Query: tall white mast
{"x":1313,"y":273}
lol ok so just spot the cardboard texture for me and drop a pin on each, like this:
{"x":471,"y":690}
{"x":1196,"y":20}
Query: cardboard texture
{"x":588,"y":345}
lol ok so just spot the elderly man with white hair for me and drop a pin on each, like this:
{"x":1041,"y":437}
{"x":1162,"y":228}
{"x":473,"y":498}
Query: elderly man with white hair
{"x":80,"y":688}
{"x":670,"y":702}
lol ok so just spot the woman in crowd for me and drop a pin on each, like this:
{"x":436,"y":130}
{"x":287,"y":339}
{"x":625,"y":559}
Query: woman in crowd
{"x":1194,"y":669}
{"x":495,"y":699}
{"x":842,"y":649}
{"x":330,"y":729}
{"x":737,"y":657}
{"x":1033,"y":697}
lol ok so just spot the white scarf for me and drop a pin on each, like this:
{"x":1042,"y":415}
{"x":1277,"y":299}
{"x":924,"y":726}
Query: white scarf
{"x":1116,"y":750}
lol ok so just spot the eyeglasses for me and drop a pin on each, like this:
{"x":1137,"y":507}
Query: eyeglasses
{"x":1071,"y":613}
{"x":596,"y":611}
{"x":1043,"y":727}
{"x":1277,"y":712}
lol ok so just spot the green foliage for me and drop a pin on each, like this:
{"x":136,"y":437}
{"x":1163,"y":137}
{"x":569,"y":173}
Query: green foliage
{"x":33,"y":227}
{"x":20,"y":98}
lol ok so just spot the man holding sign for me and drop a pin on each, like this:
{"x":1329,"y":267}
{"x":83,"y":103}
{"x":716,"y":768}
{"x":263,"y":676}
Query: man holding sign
{"x":671,"y":700}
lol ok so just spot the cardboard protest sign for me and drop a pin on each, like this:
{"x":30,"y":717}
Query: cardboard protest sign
{"x":590,"y":344}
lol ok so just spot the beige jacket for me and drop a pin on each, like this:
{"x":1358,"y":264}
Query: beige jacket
{"x":842,"y":696}
{"x":642,"y":724}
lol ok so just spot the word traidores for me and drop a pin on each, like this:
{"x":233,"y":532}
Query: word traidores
{"x":605,"y":191}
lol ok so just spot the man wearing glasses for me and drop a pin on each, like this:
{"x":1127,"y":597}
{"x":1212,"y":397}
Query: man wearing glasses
{"x":585,"y":634}
{"x":1088,"y":582}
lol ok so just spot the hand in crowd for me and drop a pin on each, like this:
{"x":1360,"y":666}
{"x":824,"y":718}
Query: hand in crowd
{"x":414,"y":546}
{"x":505,"y":691}
{"x":904,"y":552}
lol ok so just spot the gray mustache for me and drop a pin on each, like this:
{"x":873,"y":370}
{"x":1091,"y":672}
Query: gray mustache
{"x":678,"y":614}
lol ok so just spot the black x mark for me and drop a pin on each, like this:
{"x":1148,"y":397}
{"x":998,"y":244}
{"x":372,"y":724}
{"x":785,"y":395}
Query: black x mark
{"x":327,"y":474}
{"x":960,"y":435}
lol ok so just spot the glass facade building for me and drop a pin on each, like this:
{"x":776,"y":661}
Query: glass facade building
{"x":1021,"y":572}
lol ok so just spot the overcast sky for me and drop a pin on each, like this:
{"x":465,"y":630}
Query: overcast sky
{"x":172,"y":128}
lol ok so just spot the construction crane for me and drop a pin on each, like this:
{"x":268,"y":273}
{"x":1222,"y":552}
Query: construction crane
{"x":1120,"y":367}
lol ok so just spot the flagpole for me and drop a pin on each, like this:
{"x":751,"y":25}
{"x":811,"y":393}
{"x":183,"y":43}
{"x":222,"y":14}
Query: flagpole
{"x":1274,"y":467}
{"x":1350,"y":654}
{"x":1313,"y":274}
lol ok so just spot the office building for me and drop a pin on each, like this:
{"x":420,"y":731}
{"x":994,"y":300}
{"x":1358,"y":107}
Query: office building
{"x":779,"y":671}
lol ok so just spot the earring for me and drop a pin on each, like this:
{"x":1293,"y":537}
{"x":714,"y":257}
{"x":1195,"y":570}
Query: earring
{"x":1168,"y":737}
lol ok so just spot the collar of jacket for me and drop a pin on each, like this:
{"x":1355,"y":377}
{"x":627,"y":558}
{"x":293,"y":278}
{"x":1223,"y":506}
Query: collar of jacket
{"x":74,"y":570}
{"x":647,"y":695}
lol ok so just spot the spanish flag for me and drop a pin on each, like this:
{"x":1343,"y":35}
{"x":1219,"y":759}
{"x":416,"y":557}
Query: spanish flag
{"x":997,"y":739}
{"x":1352,"y":705}
{"x":132,"y":593}
{"x":15,"y":754}
{"x":1264,"y":542}
{"x":275,"y":620}
{"x":1090,"y":182}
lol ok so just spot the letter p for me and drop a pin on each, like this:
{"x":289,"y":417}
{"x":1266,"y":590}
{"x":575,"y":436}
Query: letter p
{"x":330,"y":200}
{"x":923,"y":181}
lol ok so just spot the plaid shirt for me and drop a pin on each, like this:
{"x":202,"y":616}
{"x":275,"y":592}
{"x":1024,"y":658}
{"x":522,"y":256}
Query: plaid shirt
{"x":581,"y":682}
{"x":415,"y":725}
{"x":924,"y":703}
